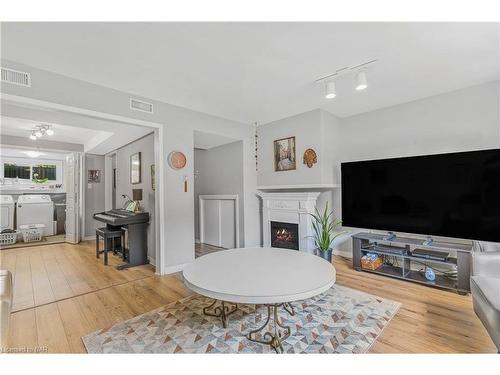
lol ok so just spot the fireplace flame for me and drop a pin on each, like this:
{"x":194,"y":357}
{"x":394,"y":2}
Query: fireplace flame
{"x":284,"y":235}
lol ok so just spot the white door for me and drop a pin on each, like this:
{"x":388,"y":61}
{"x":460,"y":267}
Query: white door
{"x":211,"y":227}
{"x":227,"y":224}
{"x":71,"y":182}
{"x":219,"y":220}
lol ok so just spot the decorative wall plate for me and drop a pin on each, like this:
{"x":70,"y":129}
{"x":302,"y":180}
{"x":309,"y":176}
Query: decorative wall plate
{"x":310,"y":157}
{"x":177,"y":160}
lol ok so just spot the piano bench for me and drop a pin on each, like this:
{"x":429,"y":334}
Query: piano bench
{"x":109,"y":236}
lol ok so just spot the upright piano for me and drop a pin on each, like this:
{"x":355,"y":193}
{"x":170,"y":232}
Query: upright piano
{"x":136,"y":225}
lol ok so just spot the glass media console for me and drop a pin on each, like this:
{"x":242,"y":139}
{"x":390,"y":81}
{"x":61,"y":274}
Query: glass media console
{"x":447,"y":264}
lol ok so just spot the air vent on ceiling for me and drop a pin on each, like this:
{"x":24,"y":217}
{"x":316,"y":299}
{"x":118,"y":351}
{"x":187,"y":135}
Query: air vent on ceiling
{"x":138,"y":105}
{"x":16,"y":77}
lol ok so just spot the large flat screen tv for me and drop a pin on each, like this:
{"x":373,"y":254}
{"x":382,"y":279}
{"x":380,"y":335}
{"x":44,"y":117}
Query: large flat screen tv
{"x":450,"y":195}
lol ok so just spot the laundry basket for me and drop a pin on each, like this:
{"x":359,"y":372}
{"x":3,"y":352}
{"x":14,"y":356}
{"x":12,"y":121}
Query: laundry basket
{"x":8,"y":238}
{"x":32,"y":233}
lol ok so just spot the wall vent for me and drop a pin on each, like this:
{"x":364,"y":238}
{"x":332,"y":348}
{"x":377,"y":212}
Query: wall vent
{"x":139,"y":105}
{"x":16,"y":77}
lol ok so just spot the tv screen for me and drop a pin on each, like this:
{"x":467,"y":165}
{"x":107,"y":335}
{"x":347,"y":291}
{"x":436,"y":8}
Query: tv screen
{"x":451,"y":195}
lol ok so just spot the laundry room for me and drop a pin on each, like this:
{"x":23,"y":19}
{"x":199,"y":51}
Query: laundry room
{"x":33,"y":197}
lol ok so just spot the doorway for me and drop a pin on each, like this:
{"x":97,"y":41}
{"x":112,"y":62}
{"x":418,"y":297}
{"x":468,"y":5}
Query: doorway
{"x":40,"y":196}
{"x":218,"y":192}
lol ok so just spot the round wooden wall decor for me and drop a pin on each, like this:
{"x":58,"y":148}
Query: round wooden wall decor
{"x":176,"y":160}
{"x":310,"y":157}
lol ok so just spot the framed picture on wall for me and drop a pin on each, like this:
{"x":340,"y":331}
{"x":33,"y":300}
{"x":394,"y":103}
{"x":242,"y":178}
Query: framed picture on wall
{"x":135,"y":168}
{"x":284,"y":154}
{"x":153,"y":178}
{"x":94,"y":176}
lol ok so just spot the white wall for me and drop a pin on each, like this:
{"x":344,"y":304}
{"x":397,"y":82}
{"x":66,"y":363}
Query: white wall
{"x":94,"y":193}
{"x":466,"y":119}
{"x":145,"y":146}
{"x":219,"y":171}
{"x":315,"y":129}
{"x":43,"y":144}
{"x":308,"y":130}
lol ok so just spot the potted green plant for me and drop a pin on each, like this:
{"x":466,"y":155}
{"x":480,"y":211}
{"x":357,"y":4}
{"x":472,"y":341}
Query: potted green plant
{"x":324,"y":225}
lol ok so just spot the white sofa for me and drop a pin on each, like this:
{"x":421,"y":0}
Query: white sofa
{"x":485,"y":287}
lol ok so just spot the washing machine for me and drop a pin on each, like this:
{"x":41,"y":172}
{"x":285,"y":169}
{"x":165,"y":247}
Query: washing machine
{"x":6,"y":212}
{"x":36,"y":209}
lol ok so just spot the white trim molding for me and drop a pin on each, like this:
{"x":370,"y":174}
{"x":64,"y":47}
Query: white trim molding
{"x":220,"y":198}
{"x":289,"y":207}
{"x":299,"y":187}
{"x":174,"y":269}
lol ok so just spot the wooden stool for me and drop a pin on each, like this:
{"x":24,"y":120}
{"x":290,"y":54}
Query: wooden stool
{"x":109,"y":236}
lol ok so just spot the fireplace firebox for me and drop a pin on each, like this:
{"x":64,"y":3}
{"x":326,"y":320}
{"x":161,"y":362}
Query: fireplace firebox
{"x":284,"y":235}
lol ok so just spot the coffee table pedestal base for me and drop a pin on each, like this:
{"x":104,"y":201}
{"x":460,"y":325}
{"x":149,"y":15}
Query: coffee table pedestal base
{"x":222,"y":311}
{"x":278,"y":333}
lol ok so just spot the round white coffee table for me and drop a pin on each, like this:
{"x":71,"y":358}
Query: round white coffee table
{"x":260,"y":276}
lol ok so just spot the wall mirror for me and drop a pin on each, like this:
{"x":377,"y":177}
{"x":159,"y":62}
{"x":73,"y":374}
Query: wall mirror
{"x":135,"y":168}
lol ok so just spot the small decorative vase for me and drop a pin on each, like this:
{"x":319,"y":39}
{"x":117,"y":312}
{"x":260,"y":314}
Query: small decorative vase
{"x":429,"y":274}
{"x":326,"y":255}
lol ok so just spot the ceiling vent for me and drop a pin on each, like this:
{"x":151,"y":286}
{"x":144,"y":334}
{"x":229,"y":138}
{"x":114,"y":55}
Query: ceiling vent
{"x":16,"y":77}
{"x":138,"y":105}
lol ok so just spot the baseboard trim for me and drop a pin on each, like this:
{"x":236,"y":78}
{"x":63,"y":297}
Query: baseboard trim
{"x":88,"y":238}
{"x":174,"y":269}
{"x":345,"y":254}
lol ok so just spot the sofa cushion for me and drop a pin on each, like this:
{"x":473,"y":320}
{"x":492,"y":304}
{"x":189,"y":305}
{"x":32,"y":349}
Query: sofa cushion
{"x":489,"y":288}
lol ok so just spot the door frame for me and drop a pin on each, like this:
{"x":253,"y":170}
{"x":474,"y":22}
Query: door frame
{"x":160,"y":162}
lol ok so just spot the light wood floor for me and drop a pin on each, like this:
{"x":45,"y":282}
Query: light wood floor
{"x":201,"y":249}
{"x":75,"y":294}
{"x":47,"y":240}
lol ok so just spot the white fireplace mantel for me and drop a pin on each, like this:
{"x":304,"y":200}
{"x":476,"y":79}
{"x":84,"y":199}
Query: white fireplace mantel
{"x":289,"y":207}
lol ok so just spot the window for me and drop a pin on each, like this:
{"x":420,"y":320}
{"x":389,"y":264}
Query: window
{"x":44,"y":171}
{"x":38,"y":171}
{"x":16,"y":171}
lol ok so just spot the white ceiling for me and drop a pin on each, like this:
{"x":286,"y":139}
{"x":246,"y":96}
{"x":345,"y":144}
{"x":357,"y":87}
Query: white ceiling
{"x":96,"y":135}
{"x":21,"y":153}
{"x":262,"y":71}
{"x":62,"y":133}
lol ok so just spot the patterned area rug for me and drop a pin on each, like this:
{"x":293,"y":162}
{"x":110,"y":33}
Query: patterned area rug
{"x":341,"y":320}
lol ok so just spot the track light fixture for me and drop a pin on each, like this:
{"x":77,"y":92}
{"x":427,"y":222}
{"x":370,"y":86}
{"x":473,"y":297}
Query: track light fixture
{"x":41,"y":130}
{"x":361,"y":82}
{"x":330,"y":90}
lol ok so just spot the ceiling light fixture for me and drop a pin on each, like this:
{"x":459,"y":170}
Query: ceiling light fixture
{"x":41,"y":130}
{"x":360,"y":71}
{"x":361,"y":82}
{"x":330,"y":90}
{"x":33,"y":154}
